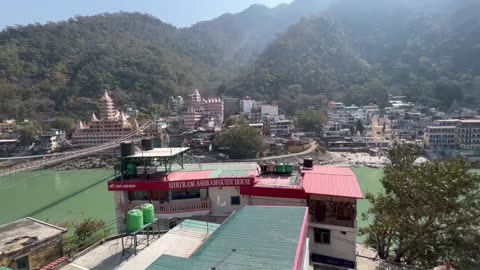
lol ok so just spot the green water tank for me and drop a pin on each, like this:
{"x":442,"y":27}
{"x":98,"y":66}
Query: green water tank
{"x":132,"y":169}
{"x":134,"y":220}
{"x":148,"y":213}
{"x":279,"y":168}
{"x":289,"y":168}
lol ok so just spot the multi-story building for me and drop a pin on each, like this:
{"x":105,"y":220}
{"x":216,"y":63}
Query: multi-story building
{"x":338,"y":113}
{"x":454,"y":137}
{"x":190,"y":121}
{"x":217,"y":190}
{"x":468,"y":136}
{"x":175,"y":104}
{"x":52,"y":139}
{"x":203,"y":106}
{"x":334,"y":107}
{"x":280,"y":127}
{"x":8,"y":126}
{"x":213,"y":106}
{"x":112,"y":125}
{"x":371,"y":110}
{"x":246,"y":105}
{"x":270,"y":109}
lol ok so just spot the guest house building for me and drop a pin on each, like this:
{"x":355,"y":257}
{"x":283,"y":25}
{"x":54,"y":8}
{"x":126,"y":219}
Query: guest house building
{"x":216,"y":190}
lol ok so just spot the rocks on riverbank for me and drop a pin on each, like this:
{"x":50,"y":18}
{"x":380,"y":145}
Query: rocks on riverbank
{"x":93,"y":162}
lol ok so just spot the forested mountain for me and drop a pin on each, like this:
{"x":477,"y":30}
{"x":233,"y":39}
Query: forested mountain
{"x":361,"y":51}
{"x":66,"y":66}
{"x":244,"y":35}
{"x":301,"y":53}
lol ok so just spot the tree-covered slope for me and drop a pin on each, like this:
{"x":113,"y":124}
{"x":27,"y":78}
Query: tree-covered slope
{"x":361,"y":51}
{"x":311,"y":58}
{"x":66,"y":65}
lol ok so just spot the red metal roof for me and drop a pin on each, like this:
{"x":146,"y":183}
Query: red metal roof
{"x":176,"y":176}
{"x":331,"y":181}
{"x":330,"y":170}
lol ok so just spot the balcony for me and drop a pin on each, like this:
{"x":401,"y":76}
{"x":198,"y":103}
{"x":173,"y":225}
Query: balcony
{"x":334,"y":221}
{"x":333,"y":213}
{"x":172,"y":208}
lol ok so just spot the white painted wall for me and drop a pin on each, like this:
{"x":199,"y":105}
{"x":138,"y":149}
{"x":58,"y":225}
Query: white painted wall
{"x":342,"y":249}
{"x":306,"y":255}
{"x":271,"y":110}
{"x":220,"y":198}
{"x":258,"y":200}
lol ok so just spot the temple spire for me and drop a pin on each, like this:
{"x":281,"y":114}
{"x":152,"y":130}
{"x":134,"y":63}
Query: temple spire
{"x":94,"y":118}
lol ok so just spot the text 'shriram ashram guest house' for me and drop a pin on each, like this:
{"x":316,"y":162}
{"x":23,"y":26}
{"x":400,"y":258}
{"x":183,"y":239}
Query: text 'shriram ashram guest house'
{"x":178,"y":191}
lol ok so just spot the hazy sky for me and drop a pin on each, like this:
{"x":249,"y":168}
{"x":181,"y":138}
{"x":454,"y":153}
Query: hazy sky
{"x":176,"y":12}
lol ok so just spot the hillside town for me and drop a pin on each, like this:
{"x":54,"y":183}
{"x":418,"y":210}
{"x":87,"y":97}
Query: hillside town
{"x":240,"y":135}
{"x":194,"y":121}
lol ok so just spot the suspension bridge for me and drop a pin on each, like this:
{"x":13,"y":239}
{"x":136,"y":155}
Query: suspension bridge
{"x":41,"y":161}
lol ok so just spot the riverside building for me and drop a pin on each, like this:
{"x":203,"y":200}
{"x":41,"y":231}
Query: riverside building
{"x":217,"y":190}
{"x":454,"y":137}
{"x":113,"y":124}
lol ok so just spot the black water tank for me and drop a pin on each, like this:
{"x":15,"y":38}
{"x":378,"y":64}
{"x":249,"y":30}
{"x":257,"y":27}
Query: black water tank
{"x":308,"y":163}
{"x":157,"y":142}
{"x":264,"y":167}
{"x":147,"y":144}
{"x":127,"y":148}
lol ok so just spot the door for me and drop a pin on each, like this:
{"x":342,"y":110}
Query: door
{"x":22,"y":263}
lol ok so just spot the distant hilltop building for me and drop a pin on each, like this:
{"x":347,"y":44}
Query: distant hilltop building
{"x":113,"y":124}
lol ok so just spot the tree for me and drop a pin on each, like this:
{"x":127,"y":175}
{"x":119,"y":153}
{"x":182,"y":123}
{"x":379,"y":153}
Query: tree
{"x":87,"y":228}
{"x":359,"y":126}
{"x":228,"y":122}
{"x":28,"y":133}
{"x":428,"y":212}
{"x":63,"y":123}
{"x":310,"y":120}
{"x":242,"y":141}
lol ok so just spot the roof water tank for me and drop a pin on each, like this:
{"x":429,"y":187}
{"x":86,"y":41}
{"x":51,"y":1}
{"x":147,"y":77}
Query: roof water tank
{"x":134,"y":220}
{"x":308,"y":163}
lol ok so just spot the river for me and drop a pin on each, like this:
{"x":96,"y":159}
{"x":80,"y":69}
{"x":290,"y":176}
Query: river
{"x":66,"y":197}
{"x":58,"y":197}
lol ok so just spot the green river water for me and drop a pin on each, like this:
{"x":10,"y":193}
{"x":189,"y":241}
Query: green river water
{"x":65,"y":197}
{"x":58,"y":197}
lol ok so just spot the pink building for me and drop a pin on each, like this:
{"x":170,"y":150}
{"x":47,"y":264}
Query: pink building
{"x":112,"y":125}
{"x":203,"y":106}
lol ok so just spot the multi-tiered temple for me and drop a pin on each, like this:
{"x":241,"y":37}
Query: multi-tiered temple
{"x":113,"y":124}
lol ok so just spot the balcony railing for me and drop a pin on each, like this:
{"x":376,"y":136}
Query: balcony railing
{"x":170,"y":208}
{"x":334,"y":221}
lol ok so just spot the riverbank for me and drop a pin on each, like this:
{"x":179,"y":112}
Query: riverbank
{"x":92,"y":162}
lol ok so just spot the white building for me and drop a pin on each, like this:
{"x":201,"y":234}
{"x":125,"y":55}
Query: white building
{"x":53,"y":139}
{"x":281,"y":127}
{"x":246,"y":105}
{"x":269,"y":109}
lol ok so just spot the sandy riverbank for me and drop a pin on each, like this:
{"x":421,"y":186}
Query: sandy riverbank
{"x":346,"y":159}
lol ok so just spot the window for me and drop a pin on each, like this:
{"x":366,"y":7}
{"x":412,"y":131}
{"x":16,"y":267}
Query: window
{"x":22,"y":263}
{"x":321,"y":236}
{"x":235,"y":200}
{"x":185,"y":194}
